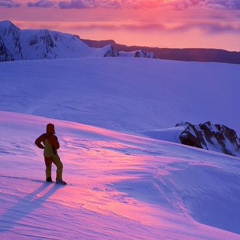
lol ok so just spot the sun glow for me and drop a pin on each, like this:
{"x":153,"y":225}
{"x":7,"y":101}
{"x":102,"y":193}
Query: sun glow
{"x":172,"y":24}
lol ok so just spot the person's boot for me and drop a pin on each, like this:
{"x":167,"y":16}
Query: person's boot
{"x":61,"y":182}
{"x":49,"y":179}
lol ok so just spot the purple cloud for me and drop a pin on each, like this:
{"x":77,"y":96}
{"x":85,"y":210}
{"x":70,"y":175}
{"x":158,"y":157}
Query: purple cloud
{"x":79,"y":4}
{"x":75,"y":4}
{"x":214,"y":4}
{"x":9,"y":4}
{"x":209,"y":28}
{"x":176,"y":4}
{"x":41,"y":4}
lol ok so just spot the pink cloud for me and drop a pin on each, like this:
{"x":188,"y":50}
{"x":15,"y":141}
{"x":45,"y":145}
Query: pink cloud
{"x":204,"y":27}
{"x":216,"y":28}
{"x":213,"y":4}
{"x":74,"y":4}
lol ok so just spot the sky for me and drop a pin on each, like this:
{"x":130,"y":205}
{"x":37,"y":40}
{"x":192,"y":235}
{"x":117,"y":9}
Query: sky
{"x":153,"y":23}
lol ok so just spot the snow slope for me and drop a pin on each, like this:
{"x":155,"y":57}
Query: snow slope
{"x":121,"y":185}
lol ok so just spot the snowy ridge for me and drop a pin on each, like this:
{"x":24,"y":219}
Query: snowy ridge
{"x":41,"y":44}
{"x":47,"y":44}
{"x":16,"y":44}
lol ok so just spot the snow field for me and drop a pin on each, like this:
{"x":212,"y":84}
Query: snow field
{"x":121,"y":184}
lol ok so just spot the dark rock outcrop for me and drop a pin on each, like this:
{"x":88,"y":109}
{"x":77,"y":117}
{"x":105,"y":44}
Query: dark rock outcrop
{"x":184,"y":54}
{"x":110,"y":51}
{"x":138,"y":53}
{"x":209,"y":136}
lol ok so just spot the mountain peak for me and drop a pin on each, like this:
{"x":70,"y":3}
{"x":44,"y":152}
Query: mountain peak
{"x":10,"y":42}
{"x":6,"y":24}
{"x":8,"y":28}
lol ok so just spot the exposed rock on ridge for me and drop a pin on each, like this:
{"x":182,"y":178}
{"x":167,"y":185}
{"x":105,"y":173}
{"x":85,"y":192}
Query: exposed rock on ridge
{"x":137,"y":53}
{"x":183,"y":54}
{"x":209,"y":136}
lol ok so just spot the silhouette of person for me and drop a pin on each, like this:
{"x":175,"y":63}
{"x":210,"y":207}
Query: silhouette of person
{"x":49,"y":142}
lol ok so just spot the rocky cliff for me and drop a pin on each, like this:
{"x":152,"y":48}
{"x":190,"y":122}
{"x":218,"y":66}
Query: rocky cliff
{"x":210,"y":136}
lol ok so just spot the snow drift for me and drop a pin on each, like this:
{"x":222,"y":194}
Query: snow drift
{"x":120,"y":186}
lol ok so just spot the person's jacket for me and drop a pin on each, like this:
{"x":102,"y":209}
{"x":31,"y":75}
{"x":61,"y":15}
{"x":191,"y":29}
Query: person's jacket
{"x":48,"y":142}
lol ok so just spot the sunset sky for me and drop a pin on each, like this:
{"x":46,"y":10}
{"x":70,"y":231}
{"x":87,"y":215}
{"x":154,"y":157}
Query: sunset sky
{"x":154,"y":23}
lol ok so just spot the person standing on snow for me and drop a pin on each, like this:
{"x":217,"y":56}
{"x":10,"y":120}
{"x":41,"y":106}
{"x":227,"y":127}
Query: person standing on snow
{"x":49,"y":142}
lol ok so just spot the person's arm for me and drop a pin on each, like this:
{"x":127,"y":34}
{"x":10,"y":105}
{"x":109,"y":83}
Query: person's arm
{"x":39,"y":141}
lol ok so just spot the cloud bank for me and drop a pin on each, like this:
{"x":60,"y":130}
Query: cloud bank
{"x":9,"y":4}
{"x":205,"y":27}
{"x":41,"y":4}
{"x":80,"y":4}
{"x":213,"y":4}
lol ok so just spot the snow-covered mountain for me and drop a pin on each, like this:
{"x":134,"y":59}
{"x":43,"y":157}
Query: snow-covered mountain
{"x":10,"y":45}
{"x":17,"y":44}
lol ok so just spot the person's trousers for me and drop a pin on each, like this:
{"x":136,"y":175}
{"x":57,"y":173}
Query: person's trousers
{"x":56,"y":160}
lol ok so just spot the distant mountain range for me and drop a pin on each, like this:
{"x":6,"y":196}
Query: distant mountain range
{"x":185,"y":54}
{"x":17,"y":44}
